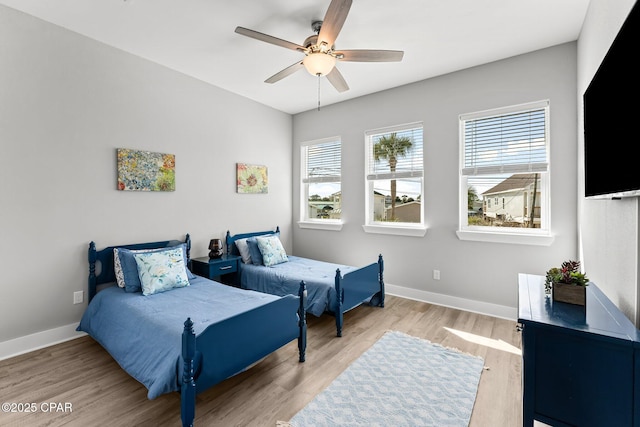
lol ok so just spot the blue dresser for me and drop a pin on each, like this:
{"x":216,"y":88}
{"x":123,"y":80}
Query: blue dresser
{"x":581,"y":365}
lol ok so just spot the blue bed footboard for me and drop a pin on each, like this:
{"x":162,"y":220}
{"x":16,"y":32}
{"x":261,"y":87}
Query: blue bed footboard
{"x":247,"y":338}
{"x":356,"y":287}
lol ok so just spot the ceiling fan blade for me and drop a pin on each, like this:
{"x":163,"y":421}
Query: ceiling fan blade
{"x":336,"y":79}
{"x":333,"y":21}
{"x":370,"y":55}
{"x":269,"y":39}
{"x":284,"y":73}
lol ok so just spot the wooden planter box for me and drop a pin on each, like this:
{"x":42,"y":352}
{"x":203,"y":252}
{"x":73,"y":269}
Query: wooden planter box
{"x":572,"y":294}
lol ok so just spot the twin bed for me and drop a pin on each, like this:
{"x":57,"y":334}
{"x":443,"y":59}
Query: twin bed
{"x":174,"y":331}
{"x":190,"y":337}
{"x":331,"y":288}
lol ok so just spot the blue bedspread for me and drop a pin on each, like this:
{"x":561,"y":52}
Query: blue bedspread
{"x":284,"y":279}
{"x":144,"y":333}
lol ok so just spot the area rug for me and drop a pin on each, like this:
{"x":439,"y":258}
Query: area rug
{"x":400,"y":381}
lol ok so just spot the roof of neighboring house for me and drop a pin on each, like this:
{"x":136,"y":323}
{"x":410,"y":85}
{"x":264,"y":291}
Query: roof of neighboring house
{"x":514,"y":182}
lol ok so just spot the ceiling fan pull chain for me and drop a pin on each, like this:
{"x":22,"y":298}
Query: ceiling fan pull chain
{"x":318,"y":91}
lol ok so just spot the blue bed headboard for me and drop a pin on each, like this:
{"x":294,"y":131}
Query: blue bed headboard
{"x":231,"y":240}
{"x":103,"y":259}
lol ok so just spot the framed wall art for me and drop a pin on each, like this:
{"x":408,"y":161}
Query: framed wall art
{"x":252,"y":179}
{"x":146,"y":170}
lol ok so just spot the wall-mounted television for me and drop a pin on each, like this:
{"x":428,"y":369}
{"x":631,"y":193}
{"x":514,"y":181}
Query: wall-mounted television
{"x":612,"y":118}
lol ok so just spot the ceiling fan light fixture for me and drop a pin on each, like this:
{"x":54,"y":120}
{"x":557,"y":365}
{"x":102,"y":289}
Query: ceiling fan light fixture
{"x":318,"y":63}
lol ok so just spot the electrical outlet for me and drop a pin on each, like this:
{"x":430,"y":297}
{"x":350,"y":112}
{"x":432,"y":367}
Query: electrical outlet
{"x":436,"y":274}
{"x":78,"y":297}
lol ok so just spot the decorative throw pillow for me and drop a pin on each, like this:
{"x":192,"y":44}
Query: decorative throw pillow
{"x":272,"y":250}
{"x":117,"y":268}
{"x":254,"y":251}
{"x":126,"y":269}
{"x":161,"y":271}
{"x":243,"y":248}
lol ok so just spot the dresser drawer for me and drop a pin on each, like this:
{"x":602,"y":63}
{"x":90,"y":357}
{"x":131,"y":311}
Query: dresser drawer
{"x":222,"y":267}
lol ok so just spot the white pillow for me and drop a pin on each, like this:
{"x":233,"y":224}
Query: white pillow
{"x":161,"y":271}
{"x":243,"y":248}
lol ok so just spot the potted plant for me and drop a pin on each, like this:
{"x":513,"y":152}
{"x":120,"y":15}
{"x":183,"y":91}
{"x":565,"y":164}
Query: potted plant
{"x":567,"y":283}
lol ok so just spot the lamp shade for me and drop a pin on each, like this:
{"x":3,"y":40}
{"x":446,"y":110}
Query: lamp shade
{"x":319,"y":63}
{"x":215,"y":248}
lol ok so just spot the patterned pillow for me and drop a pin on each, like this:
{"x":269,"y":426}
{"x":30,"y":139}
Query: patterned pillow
{"x":161,"y":271}
{"x":126,"y":269}
{"x":272,"y":250}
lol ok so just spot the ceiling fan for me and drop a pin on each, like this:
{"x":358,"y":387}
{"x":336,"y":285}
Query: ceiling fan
{"x":319,"y":50}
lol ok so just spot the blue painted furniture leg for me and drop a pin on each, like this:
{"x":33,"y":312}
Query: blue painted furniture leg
{"x":339,"y":301}
{"x":381,"y":278}
{"x":93,"y":256}
{"x":188,"y":389}
{"x":302,"y":323}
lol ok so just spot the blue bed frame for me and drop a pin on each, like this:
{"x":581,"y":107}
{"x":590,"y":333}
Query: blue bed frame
{"x":219,"y":351}
{"x":352,"y":289}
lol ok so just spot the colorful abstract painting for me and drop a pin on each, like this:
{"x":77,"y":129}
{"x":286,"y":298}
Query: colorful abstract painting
{"x":146,"y":171}
{"x":252,"y":178}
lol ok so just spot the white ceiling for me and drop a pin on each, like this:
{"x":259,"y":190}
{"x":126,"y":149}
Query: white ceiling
{"x":197,"y":38}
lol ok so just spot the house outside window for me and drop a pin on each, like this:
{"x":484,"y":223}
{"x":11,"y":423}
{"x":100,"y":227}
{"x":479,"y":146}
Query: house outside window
{"x":504,"y":175}
{"x":321,"y":190}
{"x":394,"y":180}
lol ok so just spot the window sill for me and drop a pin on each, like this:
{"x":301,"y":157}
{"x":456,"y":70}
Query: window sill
{"x":324,"y":225}
{"x":513,"y":238}
{"x":398,"y":230}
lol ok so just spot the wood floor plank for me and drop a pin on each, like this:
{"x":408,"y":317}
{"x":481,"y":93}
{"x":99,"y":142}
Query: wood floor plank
{"x":83,"y":374}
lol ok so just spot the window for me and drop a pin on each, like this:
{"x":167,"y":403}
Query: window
{"x":321,"y":195}
{"x":504,"y":183}
{"x":394,"y":177}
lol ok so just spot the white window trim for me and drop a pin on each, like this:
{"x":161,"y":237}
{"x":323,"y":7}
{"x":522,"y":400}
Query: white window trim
{"x":537,"y":237}
{"x":398,"y":229}
{"x":514,"y":238}
{"x":305,"y":222}
{"x":329,"y":225}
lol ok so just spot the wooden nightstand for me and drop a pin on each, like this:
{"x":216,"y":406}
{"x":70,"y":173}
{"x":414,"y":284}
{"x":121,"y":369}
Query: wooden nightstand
{"x":223,"y":269}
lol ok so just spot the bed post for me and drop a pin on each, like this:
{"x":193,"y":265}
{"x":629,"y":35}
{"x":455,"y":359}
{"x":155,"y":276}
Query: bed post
{"x":188,"y":389}
{"x":92,"y":270}
{"x":187,"y":240}
{"x":228,"y":242}
{"x":381,"y":279}
{"x":339,"y":301}
{"x":302,"y":322}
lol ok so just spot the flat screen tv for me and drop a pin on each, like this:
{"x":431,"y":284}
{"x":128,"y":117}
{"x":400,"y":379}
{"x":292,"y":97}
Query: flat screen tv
{"x":612,"y":118}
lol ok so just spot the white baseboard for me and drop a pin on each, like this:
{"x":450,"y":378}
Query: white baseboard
{"x":38,"y":340}
{"x":495,"y":310}
{"x":53,"y":336}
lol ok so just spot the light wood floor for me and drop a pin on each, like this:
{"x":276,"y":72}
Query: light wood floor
{"x":80,"y":372}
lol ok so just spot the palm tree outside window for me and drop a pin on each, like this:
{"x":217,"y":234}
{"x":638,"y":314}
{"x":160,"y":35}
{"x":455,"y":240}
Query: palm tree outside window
{"x":395,"y":175}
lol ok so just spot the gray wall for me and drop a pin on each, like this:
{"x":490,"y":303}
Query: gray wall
{"x":66,"y":103}
{"x":475,"y":276}
{"x":608,"y":228}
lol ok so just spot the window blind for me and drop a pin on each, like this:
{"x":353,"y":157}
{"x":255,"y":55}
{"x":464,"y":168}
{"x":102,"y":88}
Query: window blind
{"x":513,"y":142}
{"x":323,"y":162}
{"x":408,"y":164}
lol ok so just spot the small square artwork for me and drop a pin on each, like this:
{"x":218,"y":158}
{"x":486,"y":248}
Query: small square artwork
{"x":145,"y":170}
{"x":252,"y":179}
